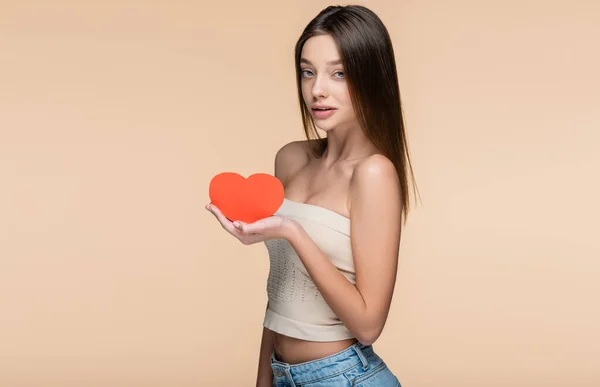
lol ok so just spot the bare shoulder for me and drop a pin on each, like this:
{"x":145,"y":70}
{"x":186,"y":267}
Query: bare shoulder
{"x":291,"y":158}
{"x":375,"y":180}
{"x":375,"y":169}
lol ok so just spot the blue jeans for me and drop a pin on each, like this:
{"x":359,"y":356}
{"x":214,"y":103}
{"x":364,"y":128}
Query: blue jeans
{"x":357,"y":366}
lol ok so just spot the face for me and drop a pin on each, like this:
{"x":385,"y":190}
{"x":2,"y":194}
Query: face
{"x":324,"y":86}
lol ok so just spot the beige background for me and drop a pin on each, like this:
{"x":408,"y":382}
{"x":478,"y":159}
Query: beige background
{"x":114,"y":117}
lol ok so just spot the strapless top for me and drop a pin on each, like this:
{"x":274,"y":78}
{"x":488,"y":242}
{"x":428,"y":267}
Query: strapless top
{"x":296,"y":308}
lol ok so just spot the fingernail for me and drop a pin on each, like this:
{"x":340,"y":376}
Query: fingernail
{"x":236,"y":224}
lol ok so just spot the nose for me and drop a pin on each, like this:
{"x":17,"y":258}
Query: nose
{"x":319,"y":88}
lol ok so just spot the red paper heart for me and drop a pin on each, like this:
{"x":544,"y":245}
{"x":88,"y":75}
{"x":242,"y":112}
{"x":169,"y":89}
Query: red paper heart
{"x":257,"y":197}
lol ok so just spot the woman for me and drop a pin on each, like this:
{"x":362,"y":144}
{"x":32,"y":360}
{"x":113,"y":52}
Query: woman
{"x":334,"y":242}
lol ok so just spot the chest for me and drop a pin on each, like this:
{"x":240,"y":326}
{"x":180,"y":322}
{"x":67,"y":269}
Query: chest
{"x":329,"y":189}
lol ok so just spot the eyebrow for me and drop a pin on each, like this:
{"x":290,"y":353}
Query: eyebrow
{"x":330,"y":63}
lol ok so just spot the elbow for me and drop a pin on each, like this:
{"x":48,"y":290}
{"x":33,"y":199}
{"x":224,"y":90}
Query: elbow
{"x":368,"y":336}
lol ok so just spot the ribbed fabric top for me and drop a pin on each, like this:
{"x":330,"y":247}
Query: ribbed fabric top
{"x":296,"y":307}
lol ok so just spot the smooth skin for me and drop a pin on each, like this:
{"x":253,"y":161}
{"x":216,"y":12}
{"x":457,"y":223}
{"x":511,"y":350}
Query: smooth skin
{"x":354,"y":180}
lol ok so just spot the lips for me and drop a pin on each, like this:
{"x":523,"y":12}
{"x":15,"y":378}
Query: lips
{"x":322,"y":107}
{"x":323,"y":112}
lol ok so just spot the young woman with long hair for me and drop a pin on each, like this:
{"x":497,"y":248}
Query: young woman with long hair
{"x":334,"y":242}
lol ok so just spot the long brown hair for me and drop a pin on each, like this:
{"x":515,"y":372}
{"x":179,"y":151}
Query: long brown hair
{"x":370,"y":70}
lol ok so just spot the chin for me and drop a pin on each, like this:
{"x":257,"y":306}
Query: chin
{"x":325,"y":126}
{"x":325,"y":130}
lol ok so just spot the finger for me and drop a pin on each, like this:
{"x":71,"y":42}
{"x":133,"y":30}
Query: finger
{"x":245,"y":228}
{"x":238,"y":224}
{"x":216,"y":212}
{"x":226,"y":223}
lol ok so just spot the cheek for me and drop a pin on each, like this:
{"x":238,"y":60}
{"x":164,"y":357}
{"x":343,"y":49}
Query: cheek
{"x":306,"y":91}
{"x":341,"y":93}
{"x":346,"y":99}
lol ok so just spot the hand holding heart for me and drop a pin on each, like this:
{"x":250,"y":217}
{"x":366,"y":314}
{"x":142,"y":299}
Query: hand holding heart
{"x":245,"y":207}
{"x":273,"y":227}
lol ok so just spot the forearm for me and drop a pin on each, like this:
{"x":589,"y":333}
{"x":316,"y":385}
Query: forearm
{"x":265,"y":373}
{"x":341,"y":295}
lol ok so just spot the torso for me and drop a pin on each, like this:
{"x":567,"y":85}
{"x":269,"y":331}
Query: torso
{"x":294,"y":351}
{"x":306,"y":181}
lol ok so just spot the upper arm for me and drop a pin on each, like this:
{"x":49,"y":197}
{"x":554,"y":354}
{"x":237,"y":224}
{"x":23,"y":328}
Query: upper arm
{"x":375,"y":213}
{"x":289,"y":159}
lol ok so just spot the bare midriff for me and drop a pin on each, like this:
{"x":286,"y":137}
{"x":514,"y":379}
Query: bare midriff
{"x":294,"y":351}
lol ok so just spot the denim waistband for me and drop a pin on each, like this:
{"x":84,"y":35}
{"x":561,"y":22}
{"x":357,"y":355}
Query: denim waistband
{"x":314,"y":370}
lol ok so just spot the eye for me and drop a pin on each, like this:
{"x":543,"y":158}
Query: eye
{"x":306,"y":73}
{"x":341,"y":74}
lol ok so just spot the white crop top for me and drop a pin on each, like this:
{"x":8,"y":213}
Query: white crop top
{"x":296,"y":308}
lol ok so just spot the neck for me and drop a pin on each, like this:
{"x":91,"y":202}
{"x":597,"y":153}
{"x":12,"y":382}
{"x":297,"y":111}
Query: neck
{"x":346,"y":145}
